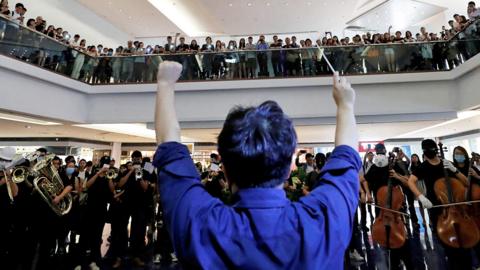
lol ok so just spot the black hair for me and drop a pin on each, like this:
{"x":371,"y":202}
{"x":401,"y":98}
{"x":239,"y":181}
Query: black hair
{"x":308,"y":155}
{"x":89,"y":163}
{"x":471,"y":3}
{"x":213,"y":155}
{"x":42,"y":150}
{"x":261,"y":140}
{"x":55,"y":158}
{"x":70,"y":158}
{"x":136,"y":154}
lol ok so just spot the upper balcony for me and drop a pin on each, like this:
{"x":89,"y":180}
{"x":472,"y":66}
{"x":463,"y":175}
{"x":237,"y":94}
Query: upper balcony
{"x":397,"y":82}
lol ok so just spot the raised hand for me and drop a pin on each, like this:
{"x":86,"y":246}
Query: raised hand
{"x":343,"y":93}
{"x":169,"y":72}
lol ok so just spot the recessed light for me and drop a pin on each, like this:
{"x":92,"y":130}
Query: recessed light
{"x":286,"y":3}
{"x":249,"y":4}
{"x":268,"y":4}
{"x":309,"y":3}
{"x":230,"y":5}
{"x":120,"y":10}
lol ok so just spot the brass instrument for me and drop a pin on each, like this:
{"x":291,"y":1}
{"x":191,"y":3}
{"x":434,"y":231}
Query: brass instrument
{"x":20,"y":174}
{"x":112,"y":174}
{"x":49,"y":185}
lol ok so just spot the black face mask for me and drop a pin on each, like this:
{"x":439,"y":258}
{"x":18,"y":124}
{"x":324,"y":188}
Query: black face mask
{"x":430,"y":153}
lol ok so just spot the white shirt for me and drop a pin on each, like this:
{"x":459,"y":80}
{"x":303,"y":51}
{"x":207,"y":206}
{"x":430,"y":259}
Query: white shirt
{"x":17,"y":18}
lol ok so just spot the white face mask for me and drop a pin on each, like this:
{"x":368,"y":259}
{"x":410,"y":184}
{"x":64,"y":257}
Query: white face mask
{"x":380,"y":161}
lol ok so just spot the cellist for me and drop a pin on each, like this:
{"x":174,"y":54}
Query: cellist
{"x":431,"y":170}
{"x":377,"y":177}
{"x":464,"y":164}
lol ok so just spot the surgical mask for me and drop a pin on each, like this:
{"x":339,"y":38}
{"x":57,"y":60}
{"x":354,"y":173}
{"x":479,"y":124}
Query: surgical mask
{"x":459,"y":158}
{"x":380,"y":161}
{"x":40,"y":158}
{"x":430,"y":153}
{"x":70,"y":171}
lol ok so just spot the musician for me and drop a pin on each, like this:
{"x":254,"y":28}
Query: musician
{"x":136,"y":203}
{"x":367,"y":194}
{"x":6,"y":207}
{"x":431,"y":170}
{"x":378,"y":176}
{"x":100,"y":191}
{"x":263,"y":229}
{"x":48,"y":226}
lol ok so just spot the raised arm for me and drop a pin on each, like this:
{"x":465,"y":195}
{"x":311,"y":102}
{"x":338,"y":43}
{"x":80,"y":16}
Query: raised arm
{"x":344,"y":95}
{"x":166,"y":122}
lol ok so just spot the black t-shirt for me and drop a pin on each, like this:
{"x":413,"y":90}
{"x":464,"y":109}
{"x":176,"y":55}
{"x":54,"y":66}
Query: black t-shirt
{"x":99,"y":193}
{"x":312,"y":180}
{"x":430,"y":174}
{"x":194,"y":47}
{"x":377,"y":177}
{"x":134,"y":193}
{"x":183,"y":47}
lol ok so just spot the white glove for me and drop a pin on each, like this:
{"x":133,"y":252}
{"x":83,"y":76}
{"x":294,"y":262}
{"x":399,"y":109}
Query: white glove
{"x":426,"y":203}
{"x":449,"y":166}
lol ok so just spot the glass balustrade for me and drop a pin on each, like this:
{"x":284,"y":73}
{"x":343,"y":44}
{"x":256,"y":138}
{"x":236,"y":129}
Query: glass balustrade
{"x":38,"y":49}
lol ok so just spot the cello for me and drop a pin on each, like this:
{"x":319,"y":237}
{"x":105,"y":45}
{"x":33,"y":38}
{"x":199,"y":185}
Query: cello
{"x":455,"y":227}
{"x":388,"y":230}
{"x":473,"y":194}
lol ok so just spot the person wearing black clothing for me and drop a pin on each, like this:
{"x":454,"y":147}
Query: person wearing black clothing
{"x":378,"y":176}
{"x":431,"y":170}
{"x":276,"y":54}
{"x":100,"y":191}
{"x":136,"y":200}
{"x":48,"y":226}
{"x":183,"y":58}
{"x":311,"y":180}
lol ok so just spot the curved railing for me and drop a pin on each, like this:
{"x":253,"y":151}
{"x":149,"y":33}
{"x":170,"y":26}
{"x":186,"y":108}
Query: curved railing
{"x":38,"y":49}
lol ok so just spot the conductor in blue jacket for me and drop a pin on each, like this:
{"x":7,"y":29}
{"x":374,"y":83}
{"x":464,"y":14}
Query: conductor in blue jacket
{"x":262,"y":230}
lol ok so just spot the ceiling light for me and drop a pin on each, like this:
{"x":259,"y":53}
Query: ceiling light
{"x":25,"y":119}
{"x":268,"y":4}
{"x":230,"y":5}
{"x":139,"y":130}
{"x":309,"y":3}
{"x":249,"y":4}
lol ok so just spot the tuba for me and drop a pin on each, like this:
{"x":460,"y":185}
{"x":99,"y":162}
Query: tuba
{"x":20,"y":174}
{"x":48,"y":184}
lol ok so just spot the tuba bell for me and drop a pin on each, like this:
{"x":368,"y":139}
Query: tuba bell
{"x":139,"y":173}
{"x":48,"y":184}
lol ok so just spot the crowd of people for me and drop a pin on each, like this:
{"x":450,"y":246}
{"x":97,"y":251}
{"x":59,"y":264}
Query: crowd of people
{"x":138,"y":63}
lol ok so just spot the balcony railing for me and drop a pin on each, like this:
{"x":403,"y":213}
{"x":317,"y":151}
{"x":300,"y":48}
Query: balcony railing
{"x":38,"y":49}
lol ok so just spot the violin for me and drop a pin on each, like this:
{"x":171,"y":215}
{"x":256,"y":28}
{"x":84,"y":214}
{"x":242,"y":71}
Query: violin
{"x":473,"y":194}
{"x":388,"y":230}
{"x":455,"y":227}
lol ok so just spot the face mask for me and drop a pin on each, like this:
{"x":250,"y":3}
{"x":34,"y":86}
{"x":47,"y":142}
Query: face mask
{"x":70,"y":171}
{"x":40,"y":158}
{"x":459,"y":158}
{"x":380,"y":161}
{"x":430,"y":153}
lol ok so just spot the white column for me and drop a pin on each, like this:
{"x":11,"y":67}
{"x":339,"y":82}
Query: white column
{"x":116,"y":153}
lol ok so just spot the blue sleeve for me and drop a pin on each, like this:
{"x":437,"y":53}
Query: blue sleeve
{"x":335,"y":199}
{"x":185,"y":201}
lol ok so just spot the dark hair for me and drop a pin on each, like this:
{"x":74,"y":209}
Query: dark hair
{"x":308,"y":155}
{"x":471,"y":3}
{"x":56,"y":158}
{"x":82,"y":160}
{"x":320,"y":160}
{"x":213,"y":155}
{"x":19,"y":5}
{"x":70,"y":158}
{"x":89,"y":163}
{"x":76,"y":35}
{"x":42,"y":150}
{"x":260,"y":140}
{"x":136,"y":154}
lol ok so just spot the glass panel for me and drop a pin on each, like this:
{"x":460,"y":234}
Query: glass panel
{"x":253,"y":61}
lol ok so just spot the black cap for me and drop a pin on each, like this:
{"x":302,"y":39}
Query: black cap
{"x":380,"y":148}
{"x":429,"y":144}
{"x":19,"y":5}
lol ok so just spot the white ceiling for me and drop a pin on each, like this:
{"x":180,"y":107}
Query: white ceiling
{"x":241,"y":17}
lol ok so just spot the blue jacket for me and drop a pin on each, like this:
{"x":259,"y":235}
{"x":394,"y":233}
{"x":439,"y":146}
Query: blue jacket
{"x":263,"y":230}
